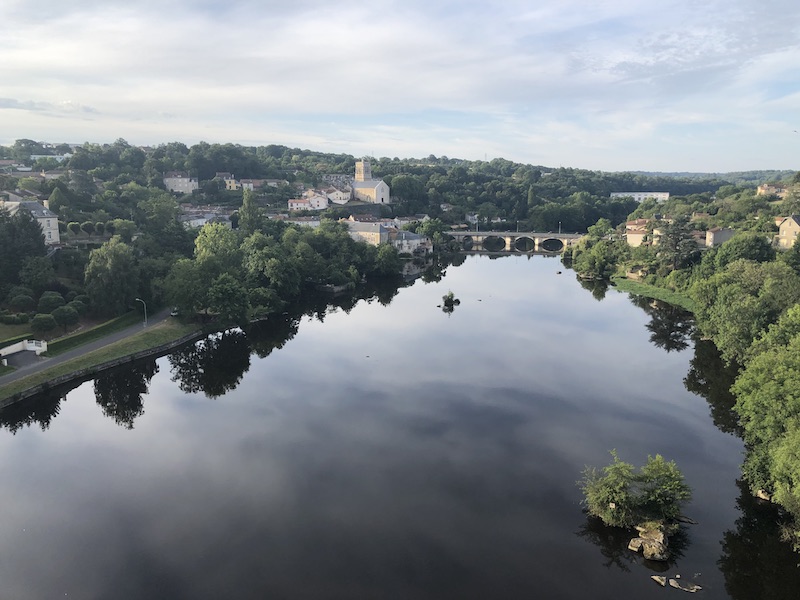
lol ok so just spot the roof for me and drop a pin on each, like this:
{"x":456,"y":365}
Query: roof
{"x":34,"y":208}
{"x":366,"y":227}
{"x":369,"y":185}
{"x":176,"y":175}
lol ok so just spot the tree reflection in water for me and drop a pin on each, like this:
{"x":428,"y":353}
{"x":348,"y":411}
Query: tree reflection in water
{"x":213,"y":365}
{"x":119,"y":391}
{"x":711,"y":378}
{"x":40,"y":409}
{"x":754,"y":561}
{"x":613,"y":544}
{"x":597,"y":287}
{"x":670,"y":327}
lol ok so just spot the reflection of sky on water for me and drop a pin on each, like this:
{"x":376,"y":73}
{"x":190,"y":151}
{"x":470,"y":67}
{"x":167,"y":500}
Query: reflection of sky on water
{"x":392,"y":452}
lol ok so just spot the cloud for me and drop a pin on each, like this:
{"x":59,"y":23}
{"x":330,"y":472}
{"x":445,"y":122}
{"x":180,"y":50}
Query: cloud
{"x":512,"y":80}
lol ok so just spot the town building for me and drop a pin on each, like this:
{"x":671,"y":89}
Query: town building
{"x":367,"y":189}
{"x":48,"y":220}
{"x":788,"y":230}
{"x":641,"y":196}
{"x":180,"y":182}
{"x":718,"y":236}
{"x":371,"y":233}
{"x":781,"y":190}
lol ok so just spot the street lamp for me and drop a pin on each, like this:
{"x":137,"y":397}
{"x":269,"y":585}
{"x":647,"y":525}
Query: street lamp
{"x":145,"y":311}
{"x":559,"y":228}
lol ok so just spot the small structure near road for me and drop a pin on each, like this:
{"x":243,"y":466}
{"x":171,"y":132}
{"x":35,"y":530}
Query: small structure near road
{"x":35,"y":346}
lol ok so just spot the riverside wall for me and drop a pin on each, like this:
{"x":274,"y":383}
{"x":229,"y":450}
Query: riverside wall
{"x":93,"y":370}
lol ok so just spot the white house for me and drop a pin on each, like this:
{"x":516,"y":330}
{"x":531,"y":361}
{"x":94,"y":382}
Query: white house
{"x":180,"y":182}
{"x":338,"y":196}
{"x":412,"y":243}
{"x":48,"y":220}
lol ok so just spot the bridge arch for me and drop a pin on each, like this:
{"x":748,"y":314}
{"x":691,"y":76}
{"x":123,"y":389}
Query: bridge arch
{"x":524,"y":243}
{"x":551,"y":245}
{"x":467,"y":242}
{"x":494,"y":243}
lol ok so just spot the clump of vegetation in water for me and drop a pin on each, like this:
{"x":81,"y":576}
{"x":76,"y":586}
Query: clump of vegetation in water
{"x":624,"y":497}
{"x":449,"y":302}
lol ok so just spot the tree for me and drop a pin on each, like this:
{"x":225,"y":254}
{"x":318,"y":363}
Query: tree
{"x":735,"y":306}
{"x":228,"y":299}
{"x":87,"y":227}
{"x":41,"y":324}
{"x":74,"y":227}
{"x":65,"y":316}
{"x":622,"y":497}
{"x":749,"y":246}
{"x":184,"y":287}
{"x":768,"y":405}
{"x":250,"y":215}
{"x":601,"y":229}
{"x":112,"y":277}
{"x":49,"y":301}
{"x":100,"y":227}
{"x":37,"y":272}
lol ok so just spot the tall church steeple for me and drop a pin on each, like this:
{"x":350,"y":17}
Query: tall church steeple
{"x":363,"y":170}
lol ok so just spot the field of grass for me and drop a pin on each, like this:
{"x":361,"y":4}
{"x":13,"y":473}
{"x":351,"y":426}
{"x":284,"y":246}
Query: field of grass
{"x":162,"y":333}
{"x":657,"y":293}
{"x":60,"y":346}
{"x":4,"y":370}
{"x":12,"y":331}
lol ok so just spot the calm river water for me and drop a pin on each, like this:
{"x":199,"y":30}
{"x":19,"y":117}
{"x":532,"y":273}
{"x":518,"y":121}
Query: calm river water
{"x":387,"y":450}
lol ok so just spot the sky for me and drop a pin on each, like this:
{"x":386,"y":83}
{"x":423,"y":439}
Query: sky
{"x":673,"y":85}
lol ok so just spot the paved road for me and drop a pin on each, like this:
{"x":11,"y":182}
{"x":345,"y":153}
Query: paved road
{"x":41,"y":363}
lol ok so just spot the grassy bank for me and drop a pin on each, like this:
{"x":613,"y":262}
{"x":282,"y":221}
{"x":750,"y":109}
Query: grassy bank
{"x":61,"y":345}
{"x":162,"y":333}
{"x":657,"y":293}
{"x":4,"y":370}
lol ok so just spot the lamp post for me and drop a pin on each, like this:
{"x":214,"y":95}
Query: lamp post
{"x":144,"y":304}
{"x":559,"y":228}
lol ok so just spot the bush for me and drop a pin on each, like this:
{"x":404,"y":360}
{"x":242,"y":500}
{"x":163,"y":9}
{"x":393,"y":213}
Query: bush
{"x":50,"y":301}
{"x":41,"y":324}
{"x":622,"y":497}
{"x":78,"y":306}
{"x":19,"y":290}
{"x":22,"y":302}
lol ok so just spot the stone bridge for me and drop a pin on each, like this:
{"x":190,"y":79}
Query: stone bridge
{"x":516,"y":241}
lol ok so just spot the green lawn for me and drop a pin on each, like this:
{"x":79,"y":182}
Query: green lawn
{"x":164,"y":332}
{"x":61,"y":345}
{"x":657,"y":293}
{"x":12,"y":331}
{"x":4,"y":370}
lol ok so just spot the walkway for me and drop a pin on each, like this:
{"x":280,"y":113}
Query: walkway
{"x":43,"y":363}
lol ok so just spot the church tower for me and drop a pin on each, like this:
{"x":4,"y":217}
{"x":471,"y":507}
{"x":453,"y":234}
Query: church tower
{"x":363,"y":170}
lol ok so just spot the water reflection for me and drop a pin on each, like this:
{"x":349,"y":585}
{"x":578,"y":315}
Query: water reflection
{"x":597,"y":287}
{"x":711,"y":378}
{"x":119,"y":391}
{"x":214,"y":365}
{"x":613,"y":544}
{"x":40,"y":410}
{"x":670,"y":326}
{"x":755,"y":561}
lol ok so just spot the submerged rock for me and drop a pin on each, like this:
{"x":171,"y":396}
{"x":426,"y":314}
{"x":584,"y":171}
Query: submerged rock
{"x":685,"y":586}
{"x":635,"y":544}
{"x":659,"y":579}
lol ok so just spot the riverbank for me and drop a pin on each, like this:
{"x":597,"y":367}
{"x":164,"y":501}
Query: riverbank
{"x":158,"y":338}
{"x":657,"y":293}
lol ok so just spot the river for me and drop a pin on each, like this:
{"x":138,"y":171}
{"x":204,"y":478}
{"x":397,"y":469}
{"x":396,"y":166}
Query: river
{"x":386,"y":448}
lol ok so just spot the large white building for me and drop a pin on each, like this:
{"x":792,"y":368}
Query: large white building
{"x":180,"y":182}
{"x":640,"y":196}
